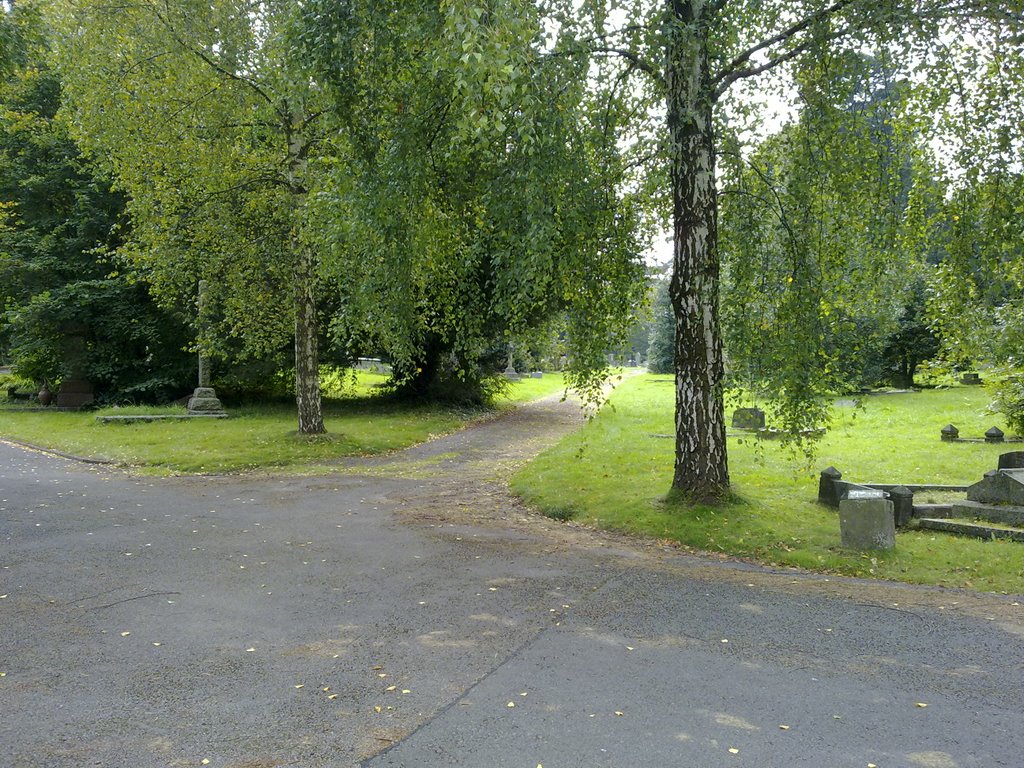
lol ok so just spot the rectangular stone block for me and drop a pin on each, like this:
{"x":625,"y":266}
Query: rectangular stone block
{"x":1001,"y":486}
{"x":867,"y":523}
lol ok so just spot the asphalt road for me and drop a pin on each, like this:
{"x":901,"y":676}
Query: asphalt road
{"x":406,"y":612}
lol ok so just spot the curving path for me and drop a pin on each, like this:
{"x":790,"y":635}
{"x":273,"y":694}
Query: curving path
{"x":407,"y":612}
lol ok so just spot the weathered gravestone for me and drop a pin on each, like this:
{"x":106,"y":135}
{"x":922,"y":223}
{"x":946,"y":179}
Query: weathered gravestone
{"x":866,"y":521}
{"x":510,"y":372}
{"x":902,"y":499}
{"x":76,"y":389}
{"x":1012,"y":460}
{"x":828,"y":489}
{"x":748,"y":418}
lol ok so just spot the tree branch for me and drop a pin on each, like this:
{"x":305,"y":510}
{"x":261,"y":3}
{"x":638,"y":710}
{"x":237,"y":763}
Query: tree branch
{"x":636,"y":61}
{"x":736,"y":68}
{"x":792,"y":53}
{"x":254,"y":87}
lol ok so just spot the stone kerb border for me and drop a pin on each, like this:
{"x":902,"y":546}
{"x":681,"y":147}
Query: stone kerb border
{"x":950,"y":434}
{"x":160,"y":417}
{"x":832,"y":489}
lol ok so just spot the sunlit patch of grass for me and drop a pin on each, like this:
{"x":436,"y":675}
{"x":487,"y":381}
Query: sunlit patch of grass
{"x":255,"y":437}
{"x":616,"y":472}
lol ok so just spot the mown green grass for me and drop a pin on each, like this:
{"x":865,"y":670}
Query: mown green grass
{"x":254,"y":437}
{"x":525,"y":390}
{"x":616,"y":471}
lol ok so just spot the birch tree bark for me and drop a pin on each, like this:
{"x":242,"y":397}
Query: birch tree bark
{"x":307,"y":362}
{"x":701,"y":464}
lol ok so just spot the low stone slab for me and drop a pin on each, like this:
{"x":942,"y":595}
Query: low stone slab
{"x":933,"y":510}
{"x":867,"y":523}
{"x":162,"y":417}
{"x":1007,"y":514}
{"x":971,"y":529}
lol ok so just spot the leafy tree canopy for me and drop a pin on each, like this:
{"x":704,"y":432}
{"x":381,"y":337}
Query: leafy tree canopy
{"x":61,"y":227}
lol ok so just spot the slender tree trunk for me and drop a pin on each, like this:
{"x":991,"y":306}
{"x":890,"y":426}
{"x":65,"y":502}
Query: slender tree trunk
{"x":307,"y":361}
{"x":307,"y":357}
{"x":701,"y":465}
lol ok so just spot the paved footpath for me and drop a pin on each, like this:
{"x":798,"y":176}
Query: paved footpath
{"x":406,"y":611}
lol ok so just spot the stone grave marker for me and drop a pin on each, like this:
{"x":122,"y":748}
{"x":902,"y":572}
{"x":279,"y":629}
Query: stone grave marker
{"x":866,"y":521}
{"x":75,"y":390}
{"x":204,"y":400}
{"x":1012,"y":460}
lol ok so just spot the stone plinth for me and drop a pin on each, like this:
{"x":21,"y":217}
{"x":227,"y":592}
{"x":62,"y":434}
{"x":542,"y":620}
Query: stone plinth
{"x":204,"y":401}
{"x":74,"y":393}
{"x":867,"y":523}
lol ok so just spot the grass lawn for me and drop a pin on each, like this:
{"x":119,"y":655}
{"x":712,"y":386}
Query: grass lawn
{"x":616,"y":471}
{"x":256,"y":437}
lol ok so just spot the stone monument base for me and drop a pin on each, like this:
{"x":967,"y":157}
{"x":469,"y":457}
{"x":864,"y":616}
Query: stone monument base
{"x":204,"y":402}
{"x":74,"y":393}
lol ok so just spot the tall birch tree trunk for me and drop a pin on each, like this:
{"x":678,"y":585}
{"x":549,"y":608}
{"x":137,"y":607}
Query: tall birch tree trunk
{"x":701,"y":465}
{"x":307,"y":353}
{"x":307,"y":359}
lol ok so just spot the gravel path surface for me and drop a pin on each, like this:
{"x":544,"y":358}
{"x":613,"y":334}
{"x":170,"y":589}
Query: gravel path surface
{"x":406,"y":611}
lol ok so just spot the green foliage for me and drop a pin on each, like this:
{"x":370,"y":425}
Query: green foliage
{"x":452,"y":187}
{"x":12,"y":382}
{"x":661,"y":345}
{"x":191,"y":106}
{"x":977,"y":303}
{"x":1009,"y":401}
{"x":478,"y":204}
{"x":56,"y":270}
{"x":814,"y":242}
{"x":912,"y":343}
